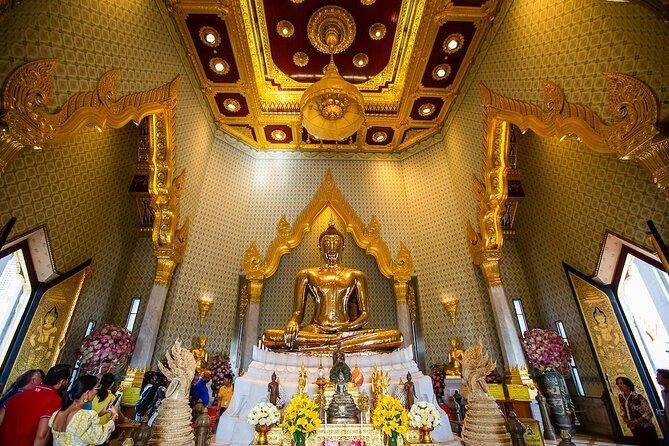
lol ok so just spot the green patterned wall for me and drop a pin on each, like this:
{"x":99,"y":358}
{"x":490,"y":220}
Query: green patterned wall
{"x":79,"y":189}
{"x":573,"y":195}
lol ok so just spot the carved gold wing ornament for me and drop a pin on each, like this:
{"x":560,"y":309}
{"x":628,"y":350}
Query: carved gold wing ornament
{"x":25,"y":122}
{"x":632,"y":136}
{"x":368,"y":237}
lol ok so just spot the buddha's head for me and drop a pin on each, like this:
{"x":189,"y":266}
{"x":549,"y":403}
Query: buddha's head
{"x":331,"y":244}
{"x":201,"y":341}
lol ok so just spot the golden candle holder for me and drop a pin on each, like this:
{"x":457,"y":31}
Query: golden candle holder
{"x":450,"y":304}
{"x":204,"y":304}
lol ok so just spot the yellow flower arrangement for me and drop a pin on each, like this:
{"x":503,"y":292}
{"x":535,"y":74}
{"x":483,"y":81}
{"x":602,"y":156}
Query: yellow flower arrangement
{"x":301,"y":418}
{"x":390,"y":417}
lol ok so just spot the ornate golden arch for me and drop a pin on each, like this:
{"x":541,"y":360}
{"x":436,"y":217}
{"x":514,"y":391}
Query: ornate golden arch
{"x":633,"y":136}
{"x":27,"y":123}
{"x":367,"y":237}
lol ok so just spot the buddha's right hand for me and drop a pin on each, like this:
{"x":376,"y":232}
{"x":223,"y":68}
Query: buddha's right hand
{"x":290,"y":334}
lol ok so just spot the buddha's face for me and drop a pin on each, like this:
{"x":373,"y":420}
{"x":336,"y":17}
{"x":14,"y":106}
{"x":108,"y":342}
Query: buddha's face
{"x":331,"y":248}
{"x":202,"y":341}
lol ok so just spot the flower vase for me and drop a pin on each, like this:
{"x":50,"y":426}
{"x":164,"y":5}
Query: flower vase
{"x":299,"y":438}
{"x":262,"y":431}
{"x":425,"y":436}
{"x":558,"y":400}
{"x":391,"y":440}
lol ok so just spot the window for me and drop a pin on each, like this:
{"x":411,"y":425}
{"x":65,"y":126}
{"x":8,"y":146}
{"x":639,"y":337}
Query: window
{"x":89,"y":327}
{"x":572,"y":365}
{"x":520,"y":315}
{"x":132,"y":314}
{"x":15,"y":293}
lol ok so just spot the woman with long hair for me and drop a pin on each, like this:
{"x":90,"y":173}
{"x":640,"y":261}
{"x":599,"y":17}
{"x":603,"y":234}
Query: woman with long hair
{"x":637,"y":413}
{"x":75,"y":426}
{"x":104,"y":397}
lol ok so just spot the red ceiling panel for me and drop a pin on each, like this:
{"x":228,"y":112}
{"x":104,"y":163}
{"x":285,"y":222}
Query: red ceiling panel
{"x":439,"y":56}
{"x":206,"y":53}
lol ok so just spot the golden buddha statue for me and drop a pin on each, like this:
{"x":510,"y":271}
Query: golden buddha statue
{"x":200,"y":353}
{"x":454,"y":367}
{"x":340,"y":296}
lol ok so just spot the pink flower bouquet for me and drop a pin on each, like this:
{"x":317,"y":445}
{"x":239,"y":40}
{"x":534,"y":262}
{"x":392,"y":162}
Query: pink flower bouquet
{"x":546,"y":350}
{"x":220,"y":366}
{"x":106,"y":342}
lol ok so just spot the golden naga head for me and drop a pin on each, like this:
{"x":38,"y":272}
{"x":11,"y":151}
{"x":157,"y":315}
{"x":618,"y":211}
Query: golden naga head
{"x":331,"y":243}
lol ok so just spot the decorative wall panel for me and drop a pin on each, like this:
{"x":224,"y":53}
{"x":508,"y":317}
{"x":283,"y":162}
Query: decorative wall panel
{"x":572,"y":196}
{"x":79,"y":189}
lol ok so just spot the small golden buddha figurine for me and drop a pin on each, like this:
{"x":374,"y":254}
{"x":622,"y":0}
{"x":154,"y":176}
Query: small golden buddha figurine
{"x":200,"y":352}
{"x":340,"y":296}
{"x":454,"y":367}
{"x":302,"y":380}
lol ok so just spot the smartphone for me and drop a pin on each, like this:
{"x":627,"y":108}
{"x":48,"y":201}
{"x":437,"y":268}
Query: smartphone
{"x":115,"y":401}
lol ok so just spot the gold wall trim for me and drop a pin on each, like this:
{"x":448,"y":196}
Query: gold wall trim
{"x":30,"y":88}
{"x":367,"y":237}
{"x":633,"y":135}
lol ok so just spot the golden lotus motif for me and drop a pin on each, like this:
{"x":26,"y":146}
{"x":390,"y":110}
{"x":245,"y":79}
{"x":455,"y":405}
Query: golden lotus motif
{"x":332,"y":109}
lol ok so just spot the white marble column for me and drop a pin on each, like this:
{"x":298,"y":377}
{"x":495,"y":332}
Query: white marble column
{"x":251,"y":320}
{"x":403,"y":315}
{"x":148,"y":331}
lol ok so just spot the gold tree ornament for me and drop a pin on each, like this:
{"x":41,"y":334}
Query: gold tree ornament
{"x":204,"y":304}
{"x":450,"y":304}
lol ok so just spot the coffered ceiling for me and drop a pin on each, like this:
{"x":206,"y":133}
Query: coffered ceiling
{"x":255,"y":58}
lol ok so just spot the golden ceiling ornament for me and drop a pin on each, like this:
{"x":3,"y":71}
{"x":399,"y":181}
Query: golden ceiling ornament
{"x":453,"y":43}
{"x":219,"y":66}
{"x":278,"y":135}
{"x":426,"y":109}
{"x":367,"y":2}
{"x":377,"y":31}
{"x":360,"y":60}
{"x":232,"y":105}
{"x":209,"y":36}
{"x":331,"y":29}
{"x":332,"y":108}
{"x":441,"y":71}
{"x":285,"y":29}
{"x":379,"y":136}
{"x":301,"y":59}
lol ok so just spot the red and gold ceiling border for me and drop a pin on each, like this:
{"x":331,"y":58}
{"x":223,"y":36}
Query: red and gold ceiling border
{"x":243,"y":57}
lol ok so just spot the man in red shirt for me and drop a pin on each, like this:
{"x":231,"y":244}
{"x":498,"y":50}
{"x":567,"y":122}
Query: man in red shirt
{"x":24,"y":421}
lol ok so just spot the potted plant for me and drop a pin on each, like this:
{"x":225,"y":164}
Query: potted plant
{"x":390,"y":417}
{"x":424,"y":417}
{"x":548,"y":355}
{"x":301,"y":418}
{"x":263,"y":416}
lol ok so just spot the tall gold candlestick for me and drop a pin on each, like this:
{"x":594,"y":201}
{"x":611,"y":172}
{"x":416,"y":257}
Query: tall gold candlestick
{"x":204,"y":304}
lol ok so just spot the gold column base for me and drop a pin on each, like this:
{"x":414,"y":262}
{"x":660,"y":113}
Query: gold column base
{"x":519,"y":375}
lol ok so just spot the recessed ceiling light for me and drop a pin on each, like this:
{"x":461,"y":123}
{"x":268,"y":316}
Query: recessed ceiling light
{"x":360,"y":60}
{"x":379,"y":136}
{"x":441,"y":71}
{"x":453,"y":43}
{"x":377,"y":31}
{"x":426,"y":109}
{"x":209,"y":36}
{"x":220,"y":66}
{"x":300,"y":59}
{"x":231,"y":105}
{"x":278,"y":135}
{"x":285,"y":28}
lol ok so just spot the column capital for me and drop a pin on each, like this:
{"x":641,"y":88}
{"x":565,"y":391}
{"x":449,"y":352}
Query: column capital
{"x":165,"y":267}
{"x":492,"y":274}
{"x":254,"y":288}
{"x":401,"y":290}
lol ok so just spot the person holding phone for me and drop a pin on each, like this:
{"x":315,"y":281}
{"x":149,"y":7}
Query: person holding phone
{"x":104,"y":397}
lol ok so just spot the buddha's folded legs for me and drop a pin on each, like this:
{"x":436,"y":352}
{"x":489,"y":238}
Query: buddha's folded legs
{"x":349,"y":341}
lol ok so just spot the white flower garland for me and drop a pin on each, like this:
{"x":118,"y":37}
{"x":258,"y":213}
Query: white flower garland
{"x":264,"y":414}
{"x":425,"y":415}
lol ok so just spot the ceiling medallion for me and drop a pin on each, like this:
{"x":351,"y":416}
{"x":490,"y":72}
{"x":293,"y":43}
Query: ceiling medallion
{"x":360,"y":60}
{"x":453,"y":43}
{"x":297,"y":1}
{"x":367,"y":2}
{"x":210,"y":36}
{"x":426,"y":109}
{"x":300,"y":59}
{"x":285,"y":28}
{"x":379,"y":136}
{"x":219,"y":65}
{"x":231,"y":105}
{"x":441,"y":71}
{"x":331,"y":29}
{"x":377,"y":31}
{"x":278,"y":135}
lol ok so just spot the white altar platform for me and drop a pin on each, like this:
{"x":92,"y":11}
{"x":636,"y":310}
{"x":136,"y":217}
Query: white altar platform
{"x":251,"y":388}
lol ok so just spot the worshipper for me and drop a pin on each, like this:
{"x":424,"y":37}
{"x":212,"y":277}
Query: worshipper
{"x":147,"y":394}
{"x":24,"y":421}
{"x":663,"y":380}
{"x":225,"y":393}
{"x":637,"y":413}
{"x":72,"y":425}
{"x":105,"y":367}
{"x":26,"y":381}
{"x":104,"y":397}
{"x":200,"y":391}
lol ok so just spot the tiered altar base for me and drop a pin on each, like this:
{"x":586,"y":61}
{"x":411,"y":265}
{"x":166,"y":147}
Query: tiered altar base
{"x":251,"y":388}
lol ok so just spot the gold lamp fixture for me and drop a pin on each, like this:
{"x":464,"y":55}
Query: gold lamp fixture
{"x":204,"y":304}
{"x":332,"y":108}
{"x":450,"y":304}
